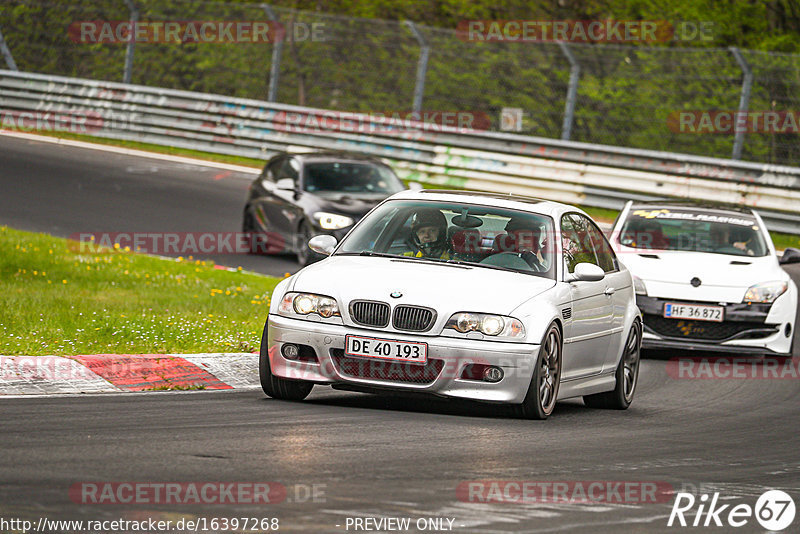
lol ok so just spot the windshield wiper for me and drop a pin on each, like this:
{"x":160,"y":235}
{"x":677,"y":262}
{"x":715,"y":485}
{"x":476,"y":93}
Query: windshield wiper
{"x":369,"y":253}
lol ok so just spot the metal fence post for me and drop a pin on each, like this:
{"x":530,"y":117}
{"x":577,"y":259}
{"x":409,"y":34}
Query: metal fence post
{"x":744,"y":103}
{"x":277,"y":51}
{"x":572,"y":91}
{"x":134,"y":18}
{"x":422,"y":65}
{"x":7,"y":54}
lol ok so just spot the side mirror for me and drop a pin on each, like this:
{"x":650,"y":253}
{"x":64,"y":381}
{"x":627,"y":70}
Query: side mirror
{"x":322,"y":244}
{"x":586,"y":272}
{"x":285,"y":184}
{"x":790,"y":255}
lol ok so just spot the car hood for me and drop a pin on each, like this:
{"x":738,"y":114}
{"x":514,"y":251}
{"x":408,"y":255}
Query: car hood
{"x":444,"y":287}
{"x":723,"y":278}
{"x":356,"y":205}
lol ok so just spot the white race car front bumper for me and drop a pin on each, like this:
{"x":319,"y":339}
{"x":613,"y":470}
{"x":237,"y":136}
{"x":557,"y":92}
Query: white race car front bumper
{"x":448,"y":355}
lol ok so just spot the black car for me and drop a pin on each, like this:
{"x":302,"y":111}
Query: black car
{"x":298,"y":196}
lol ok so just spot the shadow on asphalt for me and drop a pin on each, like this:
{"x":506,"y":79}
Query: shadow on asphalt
{"x":430,"y":405}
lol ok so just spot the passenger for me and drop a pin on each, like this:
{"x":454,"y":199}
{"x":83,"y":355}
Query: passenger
{"x":429,"y":234}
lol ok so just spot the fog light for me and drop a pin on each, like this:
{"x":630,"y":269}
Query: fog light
{"x":290,"y":352}
{"x":492,"y":374}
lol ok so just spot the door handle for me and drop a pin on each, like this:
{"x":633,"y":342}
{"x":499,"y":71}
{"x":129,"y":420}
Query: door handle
{"x":609,"y":291}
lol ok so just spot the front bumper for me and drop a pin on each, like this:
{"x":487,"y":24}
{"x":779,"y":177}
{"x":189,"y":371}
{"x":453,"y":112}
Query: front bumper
{"x":447,"y":358}
{"x":745,"y":329}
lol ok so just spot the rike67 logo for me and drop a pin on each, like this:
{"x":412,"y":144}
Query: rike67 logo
{"x":774,"y":511}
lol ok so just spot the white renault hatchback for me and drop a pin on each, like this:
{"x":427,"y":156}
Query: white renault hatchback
{"x":707,"y":278}
{"x":496,"y":298}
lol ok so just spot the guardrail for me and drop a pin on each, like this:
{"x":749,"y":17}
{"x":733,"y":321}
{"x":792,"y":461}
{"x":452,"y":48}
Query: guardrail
{"x":576,"y":173}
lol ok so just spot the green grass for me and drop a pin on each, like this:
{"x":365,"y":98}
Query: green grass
{"x":781,"y":241}
{"x":58,"y":301}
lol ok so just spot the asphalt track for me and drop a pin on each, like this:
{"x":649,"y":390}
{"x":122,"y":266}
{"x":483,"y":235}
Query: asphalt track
{"x":369,"y":456}
{"x":64,"y":190}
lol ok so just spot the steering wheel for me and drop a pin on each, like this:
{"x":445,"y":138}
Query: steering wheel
{"x":515,"y":260}
{"x":532,"y":260}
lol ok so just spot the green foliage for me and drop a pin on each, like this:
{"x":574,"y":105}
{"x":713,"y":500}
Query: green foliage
{"x":626,"y":93}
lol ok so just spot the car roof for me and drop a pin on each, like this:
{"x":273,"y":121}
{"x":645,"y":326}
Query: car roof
{"x":334,"y":155}
{"x":715,"y":208}
{"x":510,"y":200}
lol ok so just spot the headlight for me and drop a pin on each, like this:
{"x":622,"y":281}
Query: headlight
{"x":639,"y":287}
{"x":306,"y":303}
{"x":766,"y":292}
{"x":332,"y":221}
{"x":491,"y":325}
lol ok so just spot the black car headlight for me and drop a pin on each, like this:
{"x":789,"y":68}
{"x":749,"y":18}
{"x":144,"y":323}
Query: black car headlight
{"x":308,"y":303}
{"x":332,"y":221}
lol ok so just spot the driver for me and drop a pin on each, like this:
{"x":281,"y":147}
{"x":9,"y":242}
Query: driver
{"x":527,"y":240}
{"x":721,"y":237}
{"x":429,"y":234}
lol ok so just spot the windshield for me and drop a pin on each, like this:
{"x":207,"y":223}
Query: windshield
{"x":485,"y":236}
{"x":347,"y":177}
{"x":693,"y":230}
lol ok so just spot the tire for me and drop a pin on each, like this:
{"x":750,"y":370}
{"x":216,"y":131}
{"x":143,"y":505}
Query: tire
{"x":276,"y":387}
{"x":306,"y":256}
{"x":627,"y":375}
{"x":542,"y":394}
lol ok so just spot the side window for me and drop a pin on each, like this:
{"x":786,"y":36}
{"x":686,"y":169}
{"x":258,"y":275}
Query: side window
{"x":292,"y":169}
{"x":576,"y":242}
{"x":289,"y":169}
{"x":272,"y":168}
{"x":605,"y":255}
